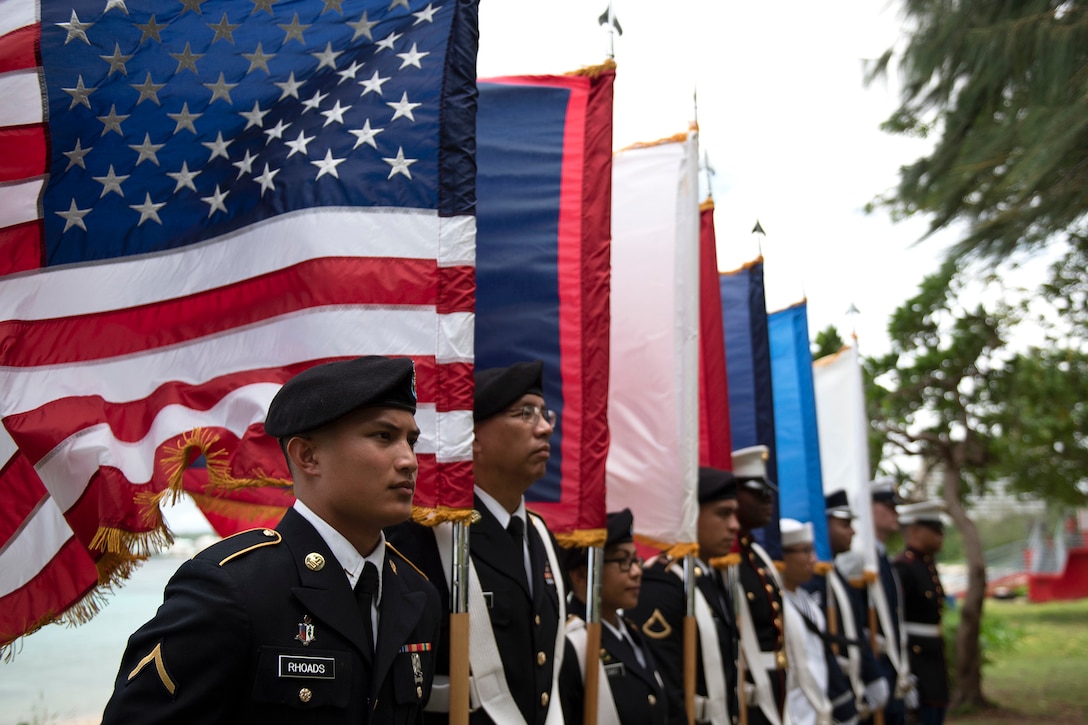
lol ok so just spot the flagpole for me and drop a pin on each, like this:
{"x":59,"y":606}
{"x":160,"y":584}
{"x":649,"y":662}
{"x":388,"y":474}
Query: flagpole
{"x":459,"y":626}
{"x":758,"y":229}
{"x":689,"y":637}
{"x":591,"y":687}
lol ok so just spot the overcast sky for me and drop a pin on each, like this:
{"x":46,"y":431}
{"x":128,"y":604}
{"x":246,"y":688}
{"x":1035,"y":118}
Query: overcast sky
{"x":791,"y":130}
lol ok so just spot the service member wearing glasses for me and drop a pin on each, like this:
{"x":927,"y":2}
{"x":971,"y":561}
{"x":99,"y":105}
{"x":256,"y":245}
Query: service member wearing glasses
{"x":522,"y":608}
{"x":631,"y":691}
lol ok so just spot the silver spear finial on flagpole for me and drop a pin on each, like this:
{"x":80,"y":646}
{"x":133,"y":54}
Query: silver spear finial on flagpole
{"x":609,"y":20}
{"x":758,"y":229}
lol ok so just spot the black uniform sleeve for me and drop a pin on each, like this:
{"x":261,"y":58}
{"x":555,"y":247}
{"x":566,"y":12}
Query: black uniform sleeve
{"x":178,"y":667}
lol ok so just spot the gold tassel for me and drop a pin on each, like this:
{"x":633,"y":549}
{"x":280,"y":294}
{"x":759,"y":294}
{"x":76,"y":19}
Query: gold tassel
{"x":724,"y":562}
{"x":780,"y":565}
{"x":434,"y":516}
{"x":583,"y":538}
{"x":823,"y":568}
{"x":675,"y":138}
{"x":593,"y":71}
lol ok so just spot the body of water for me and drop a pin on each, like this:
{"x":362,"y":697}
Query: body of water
{"x":64,"y":675}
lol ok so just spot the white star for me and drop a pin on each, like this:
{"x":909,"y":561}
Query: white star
{"x":148,"y":210}
{"x":327,"y":165}
{"x":265,"y":179}
{"x":183,"y":177}
{"x":365,"y":135}
{"x":76,"y":29}
{"x":220,"y":89}
{"x":75,"y":156}
{"x":111,"y":182}
{"x":387,"y":41}
{"x":400,"y":164}
{"x":112,"y":122}
{"x":363,"y":27}
{"x":403,"y":108}
{"x":289,"y":87}
{"x":299,"y":144}
{"x":147,"y":150}
{"x":215,"y":201}
{"x":412,"y":57}
{"x":349,"y":72}
{"x":218,"y":147}
{"x":277,"y":130}
{"x":314,"y":101}
{"x":117,"y":60}
{"x":245,"y":166}
{"x":73,"y":217}
{"x":148,"y":90}
{"x":80,"y":94}
{"x":336,"y":113}
{"x":399,"y":2}
{"x":254,"y":117}
{"x":110,"y":4}
{"x":184,"y":119}
{"x":327,"y":57}
{"x":426,"y":15}
{"x":374,"y":84}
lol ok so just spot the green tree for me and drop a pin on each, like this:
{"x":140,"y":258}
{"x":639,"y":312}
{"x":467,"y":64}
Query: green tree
{"x":1001,"y":88}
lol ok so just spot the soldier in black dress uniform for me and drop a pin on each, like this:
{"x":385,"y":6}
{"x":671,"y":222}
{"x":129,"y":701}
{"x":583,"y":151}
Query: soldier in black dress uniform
{"x":512,"y":553}
{"x":663,"y":605}
{"x":923,"y":603}
{"x":766,"y":663}
{"x":264,"y":627}
{"x":834,"y":594}
{"x":631,"y":691}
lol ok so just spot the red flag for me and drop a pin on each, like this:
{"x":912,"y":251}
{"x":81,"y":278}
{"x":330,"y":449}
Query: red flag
{"x":715,"y":446}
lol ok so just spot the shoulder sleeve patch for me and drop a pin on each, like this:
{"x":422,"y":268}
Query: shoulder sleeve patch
{"x":247,"y":541}
{"x":155,"y":657}
{"x":392,"y":549}
{"x":657,"y":627}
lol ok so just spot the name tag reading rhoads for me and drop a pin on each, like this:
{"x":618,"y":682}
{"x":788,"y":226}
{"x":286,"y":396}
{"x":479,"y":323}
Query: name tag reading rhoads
{"x":322,"y":668}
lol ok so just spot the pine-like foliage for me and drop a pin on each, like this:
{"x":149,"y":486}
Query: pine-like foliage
{"x":1005,"y":85}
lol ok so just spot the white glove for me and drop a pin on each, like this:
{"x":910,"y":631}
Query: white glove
{"x":876,"y":692}
{"x":910,"y":700}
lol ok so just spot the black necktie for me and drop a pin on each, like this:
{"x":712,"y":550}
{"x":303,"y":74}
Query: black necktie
{"x":516,"y":529}
{"x":366,"y":589}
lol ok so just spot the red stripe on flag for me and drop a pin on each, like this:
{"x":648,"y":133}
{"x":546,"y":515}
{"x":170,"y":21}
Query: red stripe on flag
{"x":22,"y":152}
{"x":20,"y":248}
{"x":456,"y":290}
{"x":328,"y":281}
{"x":17,"y":49}
{"x":60,"y":584}
{"x":715,"y":445}
{"x":23,"y":491}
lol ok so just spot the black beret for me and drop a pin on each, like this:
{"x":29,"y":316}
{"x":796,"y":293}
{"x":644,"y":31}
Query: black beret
{"x":715,"y":485}
{"x":323,"y":393}
{"x":498,"y":388}
{"x":620,"y":526}
{"x":837,"y":505}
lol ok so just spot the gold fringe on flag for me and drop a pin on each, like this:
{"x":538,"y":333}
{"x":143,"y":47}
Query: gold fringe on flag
{"x":823,"y":568}
{"x":582,"y":538}
{"x":592,"y":71}
{"x":780,"y":565}
{"x":706,"y":204}
{"x":724,"y":562}
{"x":429,"y":516}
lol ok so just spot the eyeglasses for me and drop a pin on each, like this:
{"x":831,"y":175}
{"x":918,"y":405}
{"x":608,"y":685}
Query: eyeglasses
{"x":806,"y":550}
{"x":532,"y":413}
{"x":626,"y":562}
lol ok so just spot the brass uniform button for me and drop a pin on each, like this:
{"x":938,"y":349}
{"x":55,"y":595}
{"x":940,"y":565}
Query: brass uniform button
{"x":541,"y":659}
{"x":544,"y":699}
{"x":651,"y":699}
{"x":774,"y":606}
{"x":698,"y":571}
{"x":268,"y":532}
{"x":314,"y":561}
{"x":304,"y":695}
{"x":537,"y":620}
{"x":751,"y":597}
{"x":419,"y":692}
{"x":761,"y":571}
{"x":929,"y":595}
{"x":780,"y":660}
{"x":769,"y":588}
{"x":917,"y":650}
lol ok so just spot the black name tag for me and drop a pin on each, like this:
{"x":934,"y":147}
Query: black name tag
{"x":321,"y":668}
{"x":615,"y":669}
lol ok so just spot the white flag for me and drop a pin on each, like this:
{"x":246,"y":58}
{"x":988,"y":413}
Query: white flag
{"x":844,"y":443}
{"x":653,"y":401}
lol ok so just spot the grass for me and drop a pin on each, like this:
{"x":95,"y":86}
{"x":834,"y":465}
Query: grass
{"x":1041,"y":675}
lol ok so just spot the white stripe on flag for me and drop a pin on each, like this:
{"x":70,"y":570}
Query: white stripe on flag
{"x":27,"y":554}
{"x":20,"y":84}
{"x":283,"y":240}
{"x":653,"y":403}
{"x":15,"y":14}
{"x":343,"y":331}
{"x":20,"y":199}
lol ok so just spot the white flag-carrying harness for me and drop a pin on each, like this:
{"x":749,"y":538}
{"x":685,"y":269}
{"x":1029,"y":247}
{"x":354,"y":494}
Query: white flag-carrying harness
{"x":606,"y":703}
{"x":758,"y":663}
{"x":487,"y":684}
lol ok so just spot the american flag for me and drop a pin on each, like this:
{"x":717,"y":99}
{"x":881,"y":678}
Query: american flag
{"x":199,"y":199}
